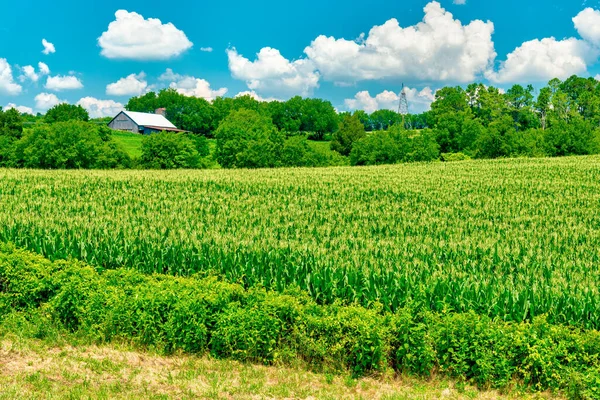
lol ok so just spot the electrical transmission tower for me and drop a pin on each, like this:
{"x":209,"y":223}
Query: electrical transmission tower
{"x":403,"y":108}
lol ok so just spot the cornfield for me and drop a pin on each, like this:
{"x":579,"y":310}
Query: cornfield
{"x":511,"y":239}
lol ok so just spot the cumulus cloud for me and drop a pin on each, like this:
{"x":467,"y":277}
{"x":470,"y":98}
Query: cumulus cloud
{"x":100,"y":108}
{"x":45,"y":101}
{"x":418,"y":101}
{"x":272,"y":73}
{"x":58,"y":83}
{"x":597,"y":77}
{"x":587,"y":24}
{"x":460,"y":2}
{"x":191,"y":86}
{"x":48,"y":47}
{"x":440,"y":48}
{"x":206,"y":49}
{"x":131,"y":36}
{"x":7,"y":83}
{"x":132,"y":85}
{"x":21,"y":109}
{"x":29,"y":72}
{"x":539,"y":60}
{"x":542,"y":60}
{"x":44,"y":69}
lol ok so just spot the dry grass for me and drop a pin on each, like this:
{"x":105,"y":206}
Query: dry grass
{"x":31,"y":369}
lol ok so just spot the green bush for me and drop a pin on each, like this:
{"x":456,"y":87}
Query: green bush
{"x":350,"y":131}
{"x":167,"y":150}
{"x":395,"y":146}
{"x":68,"y":145}
{"x":198,"y":315}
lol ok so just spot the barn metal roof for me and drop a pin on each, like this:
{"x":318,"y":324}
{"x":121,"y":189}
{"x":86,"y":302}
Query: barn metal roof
{"x":150,"y":120}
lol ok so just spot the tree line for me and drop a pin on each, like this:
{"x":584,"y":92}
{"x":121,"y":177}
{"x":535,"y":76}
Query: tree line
{"x":478,"y":121}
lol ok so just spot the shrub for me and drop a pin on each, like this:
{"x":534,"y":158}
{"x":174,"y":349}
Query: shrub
{"x":395,"y":146}
{"x":201,"y":314}
{"x":166,"y":150}
{"x":68,"y":145}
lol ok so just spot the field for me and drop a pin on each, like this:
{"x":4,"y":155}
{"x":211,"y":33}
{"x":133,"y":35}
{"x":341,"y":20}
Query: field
{"x":37,"y":369}
{"x":509,"y":239}
{"x":130,"y":142}
{"x":482,"y":271}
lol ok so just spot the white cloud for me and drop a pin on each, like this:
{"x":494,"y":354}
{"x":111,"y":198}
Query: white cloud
{"x":100,"y":108}
{"x":460,"y":2}
{"x":7,"y":83}
{"x":29,"y":72}
{"x":48,"y":47}
{"x":539,"y":60}
{"x":418,"y":101}
{"x":256,"y":96}
{"x":133,"y":85}
{"x":21,"y":109}
{"x":191,"y":86}
{"x":58,"y":83}
{"x":542,"y":60}
{"x":131,"y":36}
{"x":597,"y":77}
{"x":45,"y":101}
{"x":587,"y":24}
{"x":44,"y":69}
{"x":206,"y":49}
{"x":272,"y":73}
{"x":440,"y":48}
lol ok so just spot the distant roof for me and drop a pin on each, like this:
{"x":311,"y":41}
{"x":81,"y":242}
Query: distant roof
{"x":164,"y":128}
{"x":149,"y":120}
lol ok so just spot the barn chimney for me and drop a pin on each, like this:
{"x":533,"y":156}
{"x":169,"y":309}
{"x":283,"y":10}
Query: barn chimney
{"x":161,"y":111}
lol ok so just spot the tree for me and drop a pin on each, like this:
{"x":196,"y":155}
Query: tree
{"x":167,"y":150}
{"x":66,"y":112}
{"x":11,"y":124}
{"x":351,"y":130}
{"x":542,"y":105}
{"x":68,"y":145}
{"x":146,"y":103}
{"x":11,"y":130}
{"x":247,"y":139}
{"x":379,"y":148}
{"x":319,"y":117}
{"x":383,"y":119}
{"x":394,"y":146}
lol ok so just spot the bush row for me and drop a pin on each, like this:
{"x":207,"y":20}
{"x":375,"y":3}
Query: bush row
{"x":203,"y":314}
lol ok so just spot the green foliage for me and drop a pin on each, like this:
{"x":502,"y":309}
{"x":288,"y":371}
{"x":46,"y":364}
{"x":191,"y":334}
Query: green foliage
{"x":11,"y":124}
{"x":395,"y":146}
{"x":350,"y":131}
{"x":166,"y":150}
{"x":246,"y":139}
{"x":359,"y":236}
{"x":68,"y":145}
{"x":66,"y":112}
{"x":200,"y":315}
{"x":11,"y":130}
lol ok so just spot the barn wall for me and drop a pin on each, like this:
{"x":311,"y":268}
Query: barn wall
{"x":123,"y":123}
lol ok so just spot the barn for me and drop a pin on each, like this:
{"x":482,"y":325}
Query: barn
{"x":144,"y":123}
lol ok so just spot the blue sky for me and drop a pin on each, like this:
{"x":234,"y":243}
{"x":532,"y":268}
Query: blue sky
{"x":353,"y":53}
